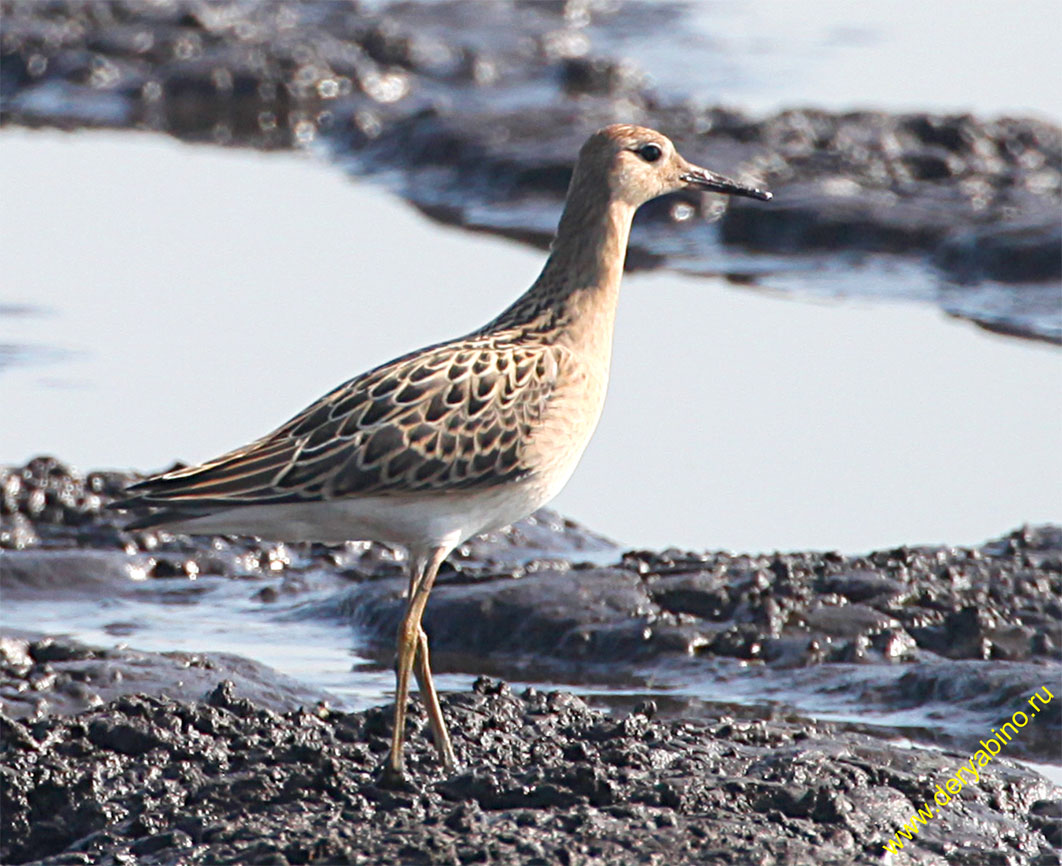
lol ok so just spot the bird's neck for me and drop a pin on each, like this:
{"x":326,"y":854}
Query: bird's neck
{"x":574,"y":299}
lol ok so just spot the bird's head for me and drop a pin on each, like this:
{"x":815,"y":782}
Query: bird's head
{"x":639,"y":164}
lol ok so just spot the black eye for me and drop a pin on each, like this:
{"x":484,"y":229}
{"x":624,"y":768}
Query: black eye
{"x":650,"y":152}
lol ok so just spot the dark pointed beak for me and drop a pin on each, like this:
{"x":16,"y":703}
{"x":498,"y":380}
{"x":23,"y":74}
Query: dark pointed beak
{"x":701,"y":178}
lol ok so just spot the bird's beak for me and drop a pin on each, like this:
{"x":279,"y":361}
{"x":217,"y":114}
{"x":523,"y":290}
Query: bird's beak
{"x":701,"y":178}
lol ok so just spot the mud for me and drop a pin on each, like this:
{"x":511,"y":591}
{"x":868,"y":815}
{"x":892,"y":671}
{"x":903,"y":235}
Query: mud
{"x":956,"y":631}
{"x":545,"y":780}
{"x":998,"y":602}
{"x":43,"y":675}
{"x":118,"y":756}
{"x":931,"y":643}
{"x":447,"y":103}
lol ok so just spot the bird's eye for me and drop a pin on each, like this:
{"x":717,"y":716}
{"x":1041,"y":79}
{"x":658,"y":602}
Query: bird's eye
{"x":650,"y":152}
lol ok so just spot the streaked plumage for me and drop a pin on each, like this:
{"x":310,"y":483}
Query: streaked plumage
{"x":457,"y":438}
{"x":456,"y":416}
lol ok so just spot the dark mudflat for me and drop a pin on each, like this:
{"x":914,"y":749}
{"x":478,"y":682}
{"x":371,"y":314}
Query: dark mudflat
{"x":54,"y":674}
{"x":547,"y":780}
{"x":202,"y":771}
{"x":934,"y":643}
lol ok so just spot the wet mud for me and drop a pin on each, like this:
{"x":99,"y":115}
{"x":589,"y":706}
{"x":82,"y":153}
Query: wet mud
{"x":715,"y":667}
{"x":41,"y":675}
{"x":951,"y":635}
{"x":446,"y":103}
{"x":545,"y":779}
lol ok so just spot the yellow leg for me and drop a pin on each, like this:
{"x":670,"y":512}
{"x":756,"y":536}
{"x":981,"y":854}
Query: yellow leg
{"x":422,"y":576}
{"x":431,"y":698}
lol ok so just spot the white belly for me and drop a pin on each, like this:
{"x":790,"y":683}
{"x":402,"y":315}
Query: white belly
{"x":425,"y":521}
{"x":419,"y":522}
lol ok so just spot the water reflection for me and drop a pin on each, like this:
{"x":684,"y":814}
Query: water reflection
{"x":225,"y":290}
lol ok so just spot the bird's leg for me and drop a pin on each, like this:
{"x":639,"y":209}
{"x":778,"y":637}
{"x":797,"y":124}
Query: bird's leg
{"x":431,"y":699}
{"x":393,"y":771}
{"x":422,"y":576}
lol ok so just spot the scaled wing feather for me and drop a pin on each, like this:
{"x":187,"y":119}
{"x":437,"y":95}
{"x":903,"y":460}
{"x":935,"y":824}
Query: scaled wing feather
{"x":440,"y":420}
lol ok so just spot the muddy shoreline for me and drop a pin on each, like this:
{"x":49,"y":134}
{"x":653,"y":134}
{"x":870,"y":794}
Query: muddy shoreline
{"x":109,"y":751}
{"x":446,"y":103}
{"x":547,"y":780}
{"x":784,"y":707}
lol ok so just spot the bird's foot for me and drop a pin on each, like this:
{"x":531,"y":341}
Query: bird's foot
{"x":446,"y":756}
{"x":393,"y":778}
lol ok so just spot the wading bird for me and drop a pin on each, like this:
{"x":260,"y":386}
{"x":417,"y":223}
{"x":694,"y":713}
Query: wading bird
{"x":461,"y":437}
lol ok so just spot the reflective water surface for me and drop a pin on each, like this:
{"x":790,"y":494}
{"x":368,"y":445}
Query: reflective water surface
{"x":177,"y":301}
{"x":165,"y":302}
{"x":189,"y":299}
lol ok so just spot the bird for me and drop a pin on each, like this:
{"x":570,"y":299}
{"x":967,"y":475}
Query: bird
{"x":456,"y":439}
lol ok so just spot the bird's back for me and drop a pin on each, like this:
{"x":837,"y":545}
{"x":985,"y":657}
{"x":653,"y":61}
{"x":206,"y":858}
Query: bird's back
{"x":460,"y":418}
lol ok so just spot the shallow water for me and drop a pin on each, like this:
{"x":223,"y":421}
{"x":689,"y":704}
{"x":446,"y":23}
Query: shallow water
{"x":905,"y":55}
{"x":163,"y":301}
{"x":166,"y":319}
{"x":766,"y":55}
{"x":758,"y":423}
{"x":657,"y":62}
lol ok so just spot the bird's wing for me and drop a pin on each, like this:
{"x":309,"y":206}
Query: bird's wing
{"x":456,"y":417}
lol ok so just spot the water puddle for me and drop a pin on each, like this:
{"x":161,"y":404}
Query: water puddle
{"x":740,"y":422}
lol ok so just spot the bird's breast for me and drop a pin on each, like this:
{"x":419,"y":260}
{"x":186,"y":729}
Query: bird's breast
{"x":564,"y":431}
